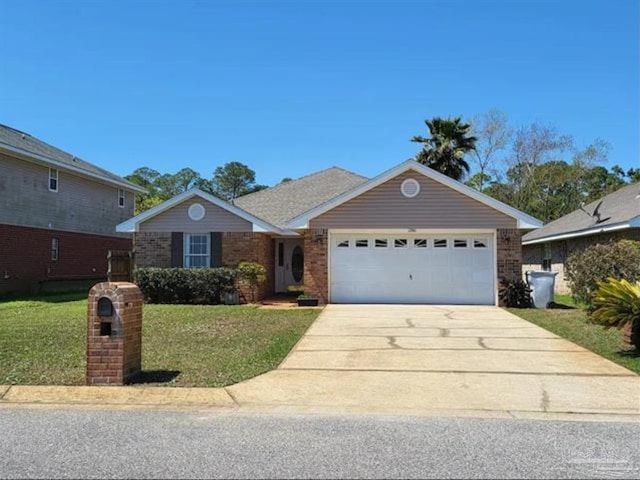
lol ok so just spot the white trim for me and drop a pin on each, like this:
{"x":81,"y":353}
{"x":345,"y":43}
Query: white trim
{"x":132,"y":225}
{"x":495,"y":267}
{"x":524,"y":221}
{"x":413,"y":182}
{"x":56,"y":241}
{"x":633,"y":223}
{"x":186,"y":244}
{"x":25,"y":155}
{"x":196,"y":212}
{"x":57,"y":179}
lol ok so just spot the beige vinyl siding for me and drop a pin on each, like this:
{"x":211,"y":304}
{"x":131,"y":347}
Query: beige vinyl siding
{"x":176,"y":219}
{"x":79,"y":205}
{"x":436,"y":206}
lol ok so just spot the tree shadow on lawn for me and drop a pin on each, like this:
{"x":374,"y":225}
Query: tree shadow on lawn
{"x":156,"y":376}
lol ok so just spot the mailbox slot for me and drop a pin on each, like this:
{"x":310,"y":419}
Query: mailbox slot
{"x":105,"y":307}
{"x":105,"y":329}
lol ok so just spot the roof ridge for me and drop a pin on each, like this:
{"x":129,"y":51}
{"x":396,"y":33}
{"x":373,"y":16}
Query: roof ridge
{"x":295,"y":180}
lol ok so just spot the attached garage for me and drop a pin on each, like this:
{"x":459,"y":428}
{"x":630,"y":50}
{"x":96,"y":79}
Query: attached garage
{"x":386,"y":267}
{"x":411,"y":235}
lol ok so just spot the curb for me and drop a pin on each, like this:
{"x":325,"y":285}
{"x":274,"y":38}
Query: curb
{"x":116,"y":395}
{"x":220,"y":399}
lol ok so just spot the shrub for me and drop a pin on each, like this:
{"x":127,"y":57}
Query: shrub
{"x":515,"y":293}
{"x":616,"y":304}
{"x":251,"y":274}
{"x":184,"y":285}
{"x":585,"y":268}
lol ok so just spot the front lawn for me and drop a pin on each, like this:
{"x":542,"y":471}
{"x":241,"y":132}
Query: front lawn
{"x":570,"y":321}
{"x":42,"y":341}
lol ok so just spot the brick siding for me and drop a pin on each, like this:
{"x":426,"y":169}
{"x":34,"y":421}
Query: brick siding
{"x":561,"y":249}
{"x":315,"y":264}
{"x":26,"y":264}
{"x":250,"y":247}
{"x":153,"y":249}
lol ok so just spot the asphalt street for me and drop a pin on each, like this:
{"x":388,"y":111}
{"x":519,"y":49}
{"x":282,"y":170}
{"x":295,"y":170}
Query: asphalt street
{"x":52,"y":443}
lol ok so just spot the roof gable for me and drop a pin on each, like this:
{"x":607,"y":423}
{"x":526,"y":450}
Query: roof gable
{"x":258,"y":225}
{"x":523,"y":220}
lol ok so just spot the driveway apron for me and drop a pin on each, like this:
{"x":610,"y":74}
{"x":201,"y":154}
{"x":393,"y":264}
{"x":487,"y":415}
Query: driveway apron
{"x":413,"y":358}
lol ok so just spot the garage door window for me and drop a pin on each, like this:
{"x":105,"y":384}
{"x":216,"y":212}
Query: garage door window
{"x":460,"y":243}
{"x":440,"y":243}
{"x":480,"y":243}
{"x":343,"y":244}
{"x":364,"y":243}
{"x":420,"y":242}
{"x":381,"y":243}
{"x":400,"y":243}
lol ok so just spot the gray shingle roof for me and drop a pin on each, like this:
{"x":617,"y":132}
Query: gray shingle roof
{"x":30,"y":145}
{"x":617,"y":207}
{"x":287,"y":200}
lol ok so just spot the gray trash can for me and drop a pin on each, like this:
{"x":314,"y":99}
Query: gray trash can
{"x":542,"y":285}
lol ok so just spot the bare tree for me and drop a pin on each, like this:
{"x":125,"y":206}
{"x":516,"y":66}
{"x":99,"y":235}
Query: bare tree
{"x":532,"y":146}
{"x":493,"y":135}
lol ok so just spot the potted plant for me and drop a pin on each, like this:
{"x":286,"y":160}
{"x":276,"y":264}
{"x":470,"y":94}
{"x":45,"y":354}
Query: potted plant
{"x":307,"y":301}
{"x":616,"y":304}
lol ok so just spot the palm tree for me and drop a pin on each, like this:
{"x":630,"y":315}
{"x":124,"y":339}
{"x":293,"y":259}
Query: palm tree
{"x":444,"y":151}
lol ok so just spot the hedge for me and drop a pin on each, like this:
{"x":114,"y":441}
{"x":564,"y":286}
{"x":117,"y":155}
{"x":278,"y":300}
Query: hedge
{"x":185,"y":285}
{"x":584,"y":268}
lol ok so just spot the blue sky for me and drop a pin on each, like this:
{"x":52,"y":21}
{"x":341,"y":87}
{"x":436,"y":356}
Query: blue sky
{"x":293,"y":87}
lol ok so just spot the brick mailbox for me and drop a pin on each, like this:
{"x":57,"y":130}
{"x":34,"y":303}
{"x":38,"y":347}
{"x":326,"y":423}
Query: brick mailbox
{"x":114,"y":333}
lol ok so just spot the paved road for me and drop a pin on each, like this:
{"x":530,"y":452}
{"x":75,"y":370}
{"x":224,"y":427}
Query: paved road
{"x":141,"y":444}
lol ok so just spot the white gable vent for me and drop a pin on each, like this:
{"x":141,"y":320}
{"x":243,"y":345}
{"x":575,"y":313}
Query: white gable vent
{"x":410,"y":188}
{"x":196,"y":212}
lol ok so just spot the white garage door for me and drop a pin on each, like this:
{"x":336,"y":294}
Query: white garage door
{"x":415,"y":268}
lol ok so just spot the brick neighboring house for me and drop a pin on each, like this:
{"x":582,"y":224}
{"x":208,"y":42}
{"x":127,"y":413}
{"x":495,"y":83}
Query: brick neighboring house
{"x":58,"y":215}
{"x":409,"y":235}
{"x":614,"y":217}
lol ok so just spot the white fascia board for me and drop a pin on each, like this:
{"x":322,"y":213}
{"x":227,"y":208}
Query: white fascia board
{"x":634,"y":223}
{"x":258,"y":225}
{"x":64,"y":166}
{"x":524,"y":221}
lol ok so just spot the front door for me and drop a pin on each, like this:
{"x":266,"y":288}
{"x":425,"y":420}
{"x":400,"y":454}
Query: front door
{"x":289,"y":263}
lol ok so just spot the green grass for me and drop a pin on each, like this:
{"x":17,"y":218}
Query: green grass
{"x":570,"y":321}
{"x":42,"y":341}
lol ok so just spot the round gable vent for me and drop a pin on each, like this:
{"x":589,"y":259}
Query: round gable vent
{"x":196,"y":212}
{"x":410,"y":188}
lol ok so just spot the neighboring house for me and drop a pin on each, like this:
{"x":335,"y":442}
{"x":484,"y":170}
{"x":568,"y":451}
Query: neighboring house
{"x":58,"y":215}
{"x":614,"y":217}
{"x":409,"y":235}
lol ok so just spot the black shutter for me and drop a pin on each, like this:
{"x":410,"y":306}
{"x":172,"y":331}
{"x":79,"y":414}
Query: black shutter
{"x":176,"y":249}
{"x":216,"y":249}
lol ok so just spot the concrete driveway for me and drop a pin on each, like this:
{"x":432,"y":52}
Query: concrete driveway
{"x":420,"y":359}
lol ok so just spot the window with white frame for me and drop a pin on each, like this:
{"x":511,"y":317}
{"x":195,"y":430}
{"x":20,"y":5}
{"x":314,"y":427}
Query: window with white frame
{"x":197,"y":251}
{"x":55,"y":249}
{"x":121,"y":198}
{"x":53,"y":179}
